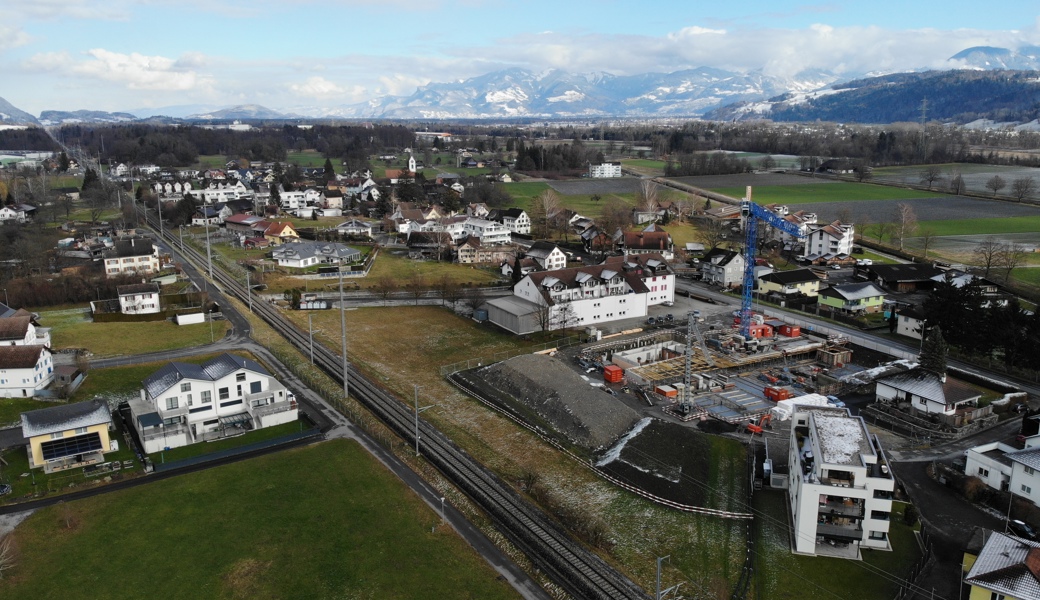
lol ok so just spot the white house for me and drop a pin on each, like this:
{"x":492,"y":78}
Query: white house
{"x":621,"y":288}
{"x":19,"y":330}
{"x":828,"y":241}
{"x":989,"y":463}
{"x":723,"y":267}
{"x":548,"y":256}
{"x":291,"y":200}
{"x":490,"y":232}
{"x":138,"y":298}
{"x":926,"y":391}
{"x":609,"y":169}
{"x":184,"y":403}
{"x":24,"y":370}
{"x":120,"y":170}
{"x":515,"y":220}
{"x":132,"y":256}
{"x":355,"y":227}
{"x":300,"y":255}
{"x":840,"y":488}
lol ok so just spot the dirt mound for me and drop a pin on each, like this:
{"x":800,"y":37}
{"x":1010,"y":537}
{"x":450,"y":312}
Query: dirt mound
{"x":564,"y":401}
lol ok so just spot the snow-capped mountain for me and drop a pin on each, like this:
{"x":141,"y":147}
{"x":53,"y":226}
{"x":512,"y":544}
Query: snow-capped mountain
{"x":11,"y":115}
{"x":1024,"y":58}
{"x":243,"y":111}
{"x":61,"y":117}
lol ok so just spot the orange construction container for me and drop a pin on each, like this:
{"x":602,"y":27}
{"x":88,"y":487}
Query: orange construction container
{"x":760,"y":331}
{"x":667,"y":391}
{"x":790,"y":330}
{"x":777,"y":394}
{"x":613,"y":374}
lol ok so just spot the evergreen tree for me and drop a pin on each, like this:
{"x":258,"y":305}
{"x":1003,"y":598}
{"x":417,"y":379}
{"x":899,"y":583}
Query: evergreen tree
{"x":933,"y":352}
{"x":90,"y":179}
{"x":330,"y":173}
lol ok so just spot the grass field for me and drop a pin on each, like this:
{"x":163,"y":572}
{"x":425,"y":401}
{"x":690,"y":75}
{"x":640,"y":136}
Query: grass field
{"x":983,"y":226}
{"x":704,"y":549}
{"x":645,"y":166}
{"x":117,"y":382}
{"x":74,"y":329}
{"x":809,"y":194}
{"x":402,"y":269}
{"x":12,"y":408}
{"x":325,"y":521}
{"x":257,"y":435}
{"x":780,"y":575}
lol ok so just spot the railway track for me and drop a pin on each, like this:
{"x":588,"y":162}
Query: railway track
{"x":570,"y":565}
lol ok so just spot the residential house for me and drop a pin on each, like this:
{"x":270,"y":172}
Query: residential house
{"x":24,"y":370}
{"x":132,"y":256}
{"x":990,"y":463}
{"x":242,"y":224}
{"x":291,"y":200}
{"x":927,"y":392}
{"x":799,"y":282}
{"x":68,"y":436}
{"x":515,"y":220}
{"x":1025,"y":481}
{"x":657,"y":241}
{"x":428,"y":243}
{"x":1007,"y":568}
{"x":355,"y":227}
{"x":621,"y":288}
{"x":527,"y":265}
{"x":472,"y":251}
{"x":853,"y":298}
{"x":120,"y":170}
{"x":989,"y":290}
{"x":840,"y":489}
{"x":300,"y":255}
{"x":828,"y":243}
{"x":139,"y":299}
{"x":904,"y":278}
{"x":910,"y":322}
{"x":280,"y":233}
{"x":608,"y":169}
{"x":206,"y":215}
{"x":723,"y":267}
{"x":477,"y":209}
{"x":20,"y":330}
{"x":185,"y":403}
{"x":490,"y":232}
{"x":548,"y":255}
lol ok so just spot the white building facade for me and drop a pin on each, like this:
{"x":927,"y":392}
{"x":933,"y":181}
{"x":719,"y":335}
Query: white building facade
{"x":24,"y":370}
{"x":610,"y":169}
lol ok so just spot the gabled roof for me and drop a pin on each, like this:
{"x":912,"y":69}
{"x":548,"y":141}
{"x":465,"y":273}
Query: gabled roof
{"x":647,"y":240}
{"x":131,"y":247}
{"x":853,"y":291}
{"x":1029,"y":457}
{"x":304,"y":250}
{"x":20,"y":357}
{"x":908,"y":272}
{"x":541,"y":249}
{"x":724,"y":257}
{"x":137,"y":288}
{"x":1009,"y":566}
{"x":790,"y":277}
{"x":243,"y":219}
{"x":170,"y":374}
{"x":925,"y":384}
{"x":569,"y":278}
{"x":280,"y":228}
{"x":65,"y":417}
{"x":14,"y":328}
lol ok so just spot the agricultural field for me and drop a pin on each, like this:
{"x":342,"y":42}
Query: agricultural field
{"x":194,"y":536}
{"x":975,"y":176}
{"x":809,"y":193}
{"x":707,"y":552}
{"x":653,"y":168}
{"x":403,"y":269}
{"x":74,"y":329}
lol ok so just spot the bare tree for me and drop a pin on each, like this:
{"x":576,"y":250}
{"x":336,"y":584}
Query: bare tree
{"x":996,"y":183}
{"x":684,"y":208}
{"x":450,"y":290}
{"x":543,"y":315}
{"x":647,"y":197}
{"x":385,"y":287}
{"x":927,"y":236}
{"x":1022,"y":188}
{"x":957,"y":185}
{"x":883,"y":229}
{"x":711,"y":233}
{"x":474,"y":299}
{"x":930,"y":175}
{"x":1009,"y":257}
{"x":985,"y":254}
{"x":566,"y":316}
{"x":616,"y":215}
{"x":862,"y":223}
{"x":416,"y":286}
{"x":7,"y":554}
{"x":906,"y":222}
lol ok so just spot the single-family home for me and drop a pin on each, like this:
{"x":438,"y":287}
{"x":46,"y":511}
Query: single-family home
{"x":515,"y":219}
{"x":799,"y":282}
{"x":139,"y":298}
{"x":853,"y":298}
{"x":132,"y":256}
{"x":548,"y":255}
{"x":910,"y":322}
{"x":472,"y":251}
{"x":185,"y":403}
{"x":300,"y":255}
{"x":355,"y":227}
{"x":989,"y":462}
{"x":281,"y":233}
{"x":656,"y":241}
{"x":826,"y":243}
{"x":926,"y":391}
{"x":904,"y":277}
{"x":723,"y":267}
{"x":206,"y":215}
{"x":68,"y":436}
{"x":20,"y":330}
{"x":1007,"y":568}
{"x":840,"y":487}
{"x":24,"y":370}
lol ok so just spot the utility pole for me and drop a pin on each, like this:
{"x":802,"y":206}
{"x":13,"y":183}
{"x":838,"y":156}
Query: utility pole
{"x":249,"y":292}
{"x":662,"y":593}
{"x":417,"y":411}
{"x":343,"y":332}
{"x":310,"y":331}
{"x":209,"y":256}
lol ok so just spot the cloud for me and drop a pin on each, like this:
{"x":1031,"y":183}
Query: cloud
{"x":12,"y":37}
{"x":320,"y":88}
{"x":135,"y":71}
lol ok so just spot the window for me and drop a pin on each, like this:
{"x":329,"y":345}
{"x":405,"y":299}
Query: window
{"x":880,"y":515}
{"x":57,"y":436}
{"x":189,"y":400}
{"x":223,"y":392}
{"x":171,"y":403}
{"x":878,"y":535}
{"x":996,"y":596}
{"x":81,"y":430}
{"x":983,"y":472}
{"x":254,"y":387}
{"x":230,"y":403}
{"x":185,"y":387}
{"x":1026,"y":489}
{"x":206,"y":397}
{"x":1030,"y":470}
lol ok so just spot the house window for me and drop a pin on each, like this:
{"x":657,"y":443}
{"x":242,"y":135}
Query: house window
{"x":171,"y":403}
{"x":57,"y":436}
{"x":224,"y":395}
{"x":922,"y":401}
{"x":878,"y":535}
{"x":1026,"y":489}
{"x":254,"y":387}
{"x":185,"y":387}
{"x":1030,"y":470}
{"x":206,"y":398}
{"x":81,"y":430}
{"x":996,"y":596}
{"x":983,"y":472}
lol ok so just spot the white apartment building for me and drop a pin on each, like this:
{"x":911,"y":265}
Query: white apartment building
{"x":515,"y":220}
{"x":24,"y":370}
{"x":621,"y":288}
{"x":828,"y":241}
{"x":132,"y":256}
{"x":610,"y":169}
{"x":291,"y":200}
{"x":840,"y":484}
{"x":183,"y":403}
{"x":491,"y":233}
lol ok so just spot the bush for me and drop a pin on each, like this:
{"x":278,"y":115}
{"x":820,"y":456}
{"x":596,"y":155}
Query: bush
{"x":910,"y":515}
{"x":973,"y":489}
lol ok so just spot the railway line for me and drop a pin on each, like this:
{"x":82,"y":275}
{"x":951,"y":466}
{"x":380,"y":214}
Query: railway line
{"x":569,"y":564}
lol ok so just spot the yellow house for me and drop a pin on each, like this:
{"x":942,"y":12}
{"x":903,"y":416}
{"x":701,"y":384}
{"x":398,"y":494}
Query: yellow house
{"x":790,"y":283}
{"x":68,"y":436}
{"x":1007,"y":568}
{"x":281,"y":232}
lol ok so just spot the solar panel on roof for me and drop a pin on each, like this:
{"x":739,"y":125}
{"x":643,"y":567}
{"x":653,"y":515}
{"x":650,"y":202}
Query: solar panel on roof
{"x":55,"y":449}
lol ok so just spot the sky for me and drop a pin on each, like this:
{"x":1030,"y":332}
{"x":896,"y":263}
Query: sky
{"x":121,"y":55}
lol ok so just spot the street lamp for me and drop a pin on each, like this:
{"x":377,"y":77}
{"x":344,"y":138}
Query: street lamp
{"x":310,"y":331}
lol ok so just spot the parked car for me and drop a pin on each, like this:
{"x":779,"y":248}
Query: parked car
{"x":669,"y":317}
{"x":651,"y":321}
{"x":668,"y":303}
{"x":836,"y":267}
{"x":5,"y":489}
{"x":1021,"y":529}
{"x":835,"y":401}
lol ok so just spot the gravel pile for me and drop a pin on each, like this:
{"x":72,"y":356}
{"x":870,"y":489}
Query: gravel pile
{"x":584,"y":414}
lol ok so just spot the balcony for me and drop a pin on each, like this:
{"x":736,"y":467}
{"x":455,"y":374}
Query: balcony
{"x":169,"y":431}
{"x":166,"y":413}
{"x":844,"y":509}
{"x":842,"y":533}
{"x":259,"y":412}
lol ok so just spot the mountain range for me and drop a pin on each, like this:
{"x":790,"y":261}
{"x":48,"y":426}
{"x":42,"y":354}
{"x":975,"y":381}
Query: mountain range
{"x":966,"y":88}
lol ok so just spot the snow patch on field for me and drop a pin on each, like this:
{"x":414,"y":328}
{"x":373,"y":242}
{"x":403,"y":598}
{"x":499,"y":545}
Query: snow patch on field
{"x":615,"y":452}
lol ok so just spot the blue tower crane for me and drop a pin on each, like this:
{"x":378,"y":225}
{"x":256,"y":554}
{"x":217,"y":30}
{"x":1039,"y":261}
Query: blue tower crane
{"x":752,"y":213}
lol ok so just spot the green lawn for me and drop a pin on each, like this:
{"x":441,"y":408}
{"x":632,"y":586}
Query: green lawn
{"x":779,"y":574}
{"x":121,"y":381}
{"x":993,"y":226}
{"x":259,"y":435}
{"x":402,"y":269}
{"x":12,"y":408}
{"x":835,"y":192}
{"x":71,"y":329}
{"x":325,"y":521}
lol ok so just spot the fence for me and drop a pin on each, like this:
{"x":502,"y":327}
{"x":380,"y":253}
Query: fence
{"x":908,"y":588}
{"x":507,"y":354}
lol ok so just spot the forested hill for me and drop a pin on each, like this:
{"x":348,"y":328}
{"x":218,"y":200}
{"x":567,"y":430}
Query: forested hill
{"x":957,"y":96}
